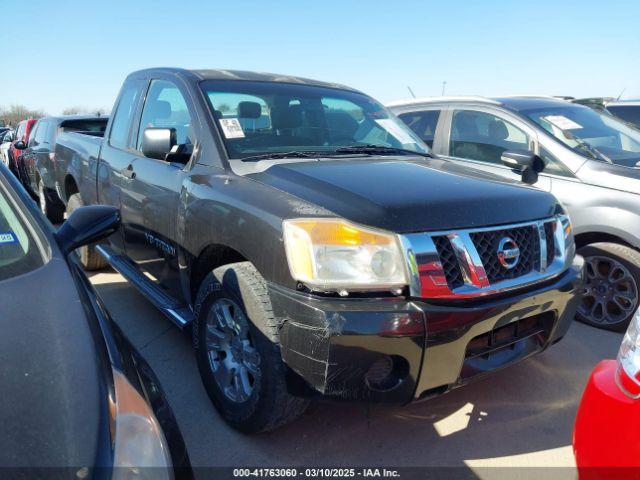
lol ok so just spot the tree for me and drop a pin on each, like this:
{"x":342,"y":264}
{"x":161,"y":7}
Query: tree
{"x":16,"y":113}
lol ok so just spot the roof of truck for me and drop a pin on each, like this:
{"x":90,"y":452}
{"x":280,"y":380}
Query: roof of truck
{"x":211,"y":74}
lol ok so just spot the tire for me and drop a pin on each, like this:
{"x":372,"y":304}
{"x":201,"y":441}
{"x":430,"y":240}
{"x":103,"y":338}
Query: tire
{"x":612,"y":285}
{"x":89,"y":256}
{"x":52,"y":208}
{"x":239,"y":288}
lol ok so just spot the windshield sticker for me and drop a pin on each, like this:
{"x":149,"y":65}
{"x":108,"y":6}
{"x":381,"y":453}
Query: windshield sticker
{"x":562,"y":122}
{"x":394,"y":129}
{"x":7,"y":238}
{"x":231,"y":128}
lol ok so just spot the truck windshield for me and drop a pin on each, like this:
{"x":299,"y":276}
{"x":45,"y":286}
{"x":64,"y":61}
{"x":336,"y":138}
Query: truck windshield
{"x":264,"y":118}
{"x":590,"y":133}
{"x":18,"y":252}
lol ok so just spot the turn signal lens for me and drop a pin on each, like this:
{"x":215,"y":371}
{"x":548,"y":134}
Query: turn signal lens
{"x":140,"y":449}
{"x":629,"y":358}
{"x":331,"y":254}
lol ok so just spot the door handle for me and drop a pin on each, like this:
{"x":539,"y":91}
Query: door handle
{"x":128,"y":172}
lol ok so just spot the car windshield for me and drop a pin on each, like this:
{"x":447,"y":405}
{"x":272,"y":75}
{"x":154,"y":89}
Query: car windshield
{"x":18,"y":252}
{"x":592,"y":134}
{"x":258,"y":119}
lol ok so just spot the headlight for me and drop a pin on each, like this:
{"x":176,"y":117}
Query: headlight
{"x":333,"y":254}
{"x":139,"y":442}
{"x":629,"y":359}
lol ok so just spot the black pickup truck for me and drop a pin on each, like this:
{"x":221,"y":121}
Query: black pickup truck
{"x":314,"y":244}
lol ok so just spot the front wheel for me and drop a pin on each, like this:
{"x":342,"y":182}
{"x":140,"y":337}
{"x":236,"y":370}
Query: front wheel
{"x":612,"y":277}
{"x":238,"y":352}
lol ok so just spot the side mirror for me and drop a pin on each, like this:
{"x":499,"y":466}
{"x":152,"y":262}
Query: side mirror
{"x":158,"y":142}
{"x":20,"y":145}
{"x":525,"y":162}
{"x":87,"y":225}
{"x":180,"y":153}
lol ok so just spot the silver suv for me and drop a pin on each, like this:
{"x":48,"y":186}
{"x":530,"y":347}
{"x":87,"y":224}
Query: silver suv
{"x":591,"y":165}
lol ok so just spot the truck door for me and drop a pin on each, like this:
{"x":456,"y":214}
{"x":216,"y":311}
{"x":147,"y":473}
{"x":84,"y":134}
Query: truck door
{"x":113,"y":177}
{"x":151,"y":235}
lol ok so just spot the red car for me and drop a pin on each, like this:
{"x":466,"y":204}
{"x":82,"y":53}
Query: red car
{"x":605,"y":438}
{"x":23,"y":130}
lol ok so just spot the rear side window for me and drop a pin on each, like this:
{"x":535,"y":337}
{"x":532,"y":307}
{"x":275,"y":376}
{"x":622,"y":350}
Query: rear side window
{"x":125,"y":110}
{"x":97,"y":125}
{"x":423,"y":124}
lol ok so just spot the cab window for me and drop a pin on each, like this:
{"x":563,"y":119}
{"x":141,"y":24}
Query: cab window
{"x":484,"y":137}
{"x":165,"y":107}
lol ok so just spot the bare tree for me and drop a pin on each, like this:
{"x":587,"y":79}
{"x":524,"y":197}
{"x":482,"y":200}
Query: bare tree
{"x":74,"y":110}
{"x":16,"y":113}
{"x":84,"y":110}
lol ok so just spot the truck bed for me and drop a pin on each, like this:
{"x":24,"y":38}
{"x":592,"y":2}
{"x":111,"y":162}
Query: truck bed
{"x":76,"y":156}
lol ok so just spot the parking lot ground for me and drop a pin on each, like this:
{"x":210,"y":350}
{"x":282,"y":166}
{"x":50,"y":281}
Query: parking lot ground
{"x":520,"y":417}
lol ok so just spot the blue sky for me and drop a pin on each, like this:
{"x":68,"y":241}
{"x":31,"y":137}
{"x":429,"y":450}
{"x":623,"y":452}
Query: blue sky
{"x":64,"y":53}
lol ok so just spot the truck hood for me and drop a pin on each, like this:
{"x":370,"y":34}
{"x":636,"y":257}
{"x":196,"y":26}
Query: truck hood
{"x":409,"y":195}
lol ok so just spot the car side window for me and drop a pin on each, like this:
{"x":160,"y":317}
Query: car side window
{"x":125,"y":111}
{"x":165,"y":107}
{"x":423,"y":124}
{"x":32,"y":138}
{"x":484,"y":137}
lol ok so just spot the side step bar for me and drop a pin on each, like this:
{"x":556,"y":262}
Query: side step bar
{"x":178,"y":313}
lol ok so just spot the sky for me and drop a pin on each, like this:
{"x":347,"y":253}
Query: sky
{"x":59,"y":54}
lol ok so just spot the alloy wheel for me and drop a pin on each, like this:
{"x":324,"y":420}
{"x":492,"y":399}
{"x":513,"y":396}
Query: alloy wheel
{"x":233,"y":360}
{"x":610,"y":293}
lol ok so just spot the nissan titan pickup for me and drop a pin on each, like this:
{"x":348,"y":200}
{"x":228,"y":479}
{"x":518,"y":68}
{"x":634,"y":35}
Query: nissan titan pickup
{"x":312,"y":243}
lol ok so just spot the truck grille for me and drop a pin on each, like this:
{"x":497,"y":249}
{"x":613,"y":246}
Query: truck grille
{"x":548,"y":233}
{"x":487,"y":244}
{"x":449,"y":262}
{"x":468,"y":263}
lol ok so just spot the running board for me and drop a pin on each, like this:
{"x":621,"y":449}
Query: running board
{"x":178,"y":313}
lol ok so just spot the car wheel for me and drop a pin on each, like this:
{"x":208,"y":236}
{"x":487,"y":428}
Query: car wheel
{"x":89,"y":256}
{"x":53,"y":209}
{"x":235,"y":336}
{"x":612,"y":277}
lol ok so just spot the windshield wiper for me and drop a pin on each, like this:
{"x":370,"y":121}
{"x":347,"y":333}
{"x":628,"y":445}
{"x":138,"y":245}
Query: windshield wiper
{"x":593,"y":152}
{"x":274,"y":155}
{"x":380,"y":149}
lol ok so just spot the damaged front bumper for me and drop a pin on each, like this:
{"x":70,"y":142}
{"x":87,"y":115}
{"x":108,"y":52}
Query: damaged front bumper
{"x":398,"y":350}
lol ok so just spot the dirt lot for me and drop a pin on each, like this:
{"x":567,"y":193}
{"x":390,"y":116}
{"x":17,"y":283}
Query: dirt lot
{"x":520,"y":417}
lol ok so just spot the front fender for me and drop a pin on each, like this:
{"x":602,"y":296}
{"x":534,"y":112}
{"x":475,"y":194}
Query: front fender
{"x":609,"y":220}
